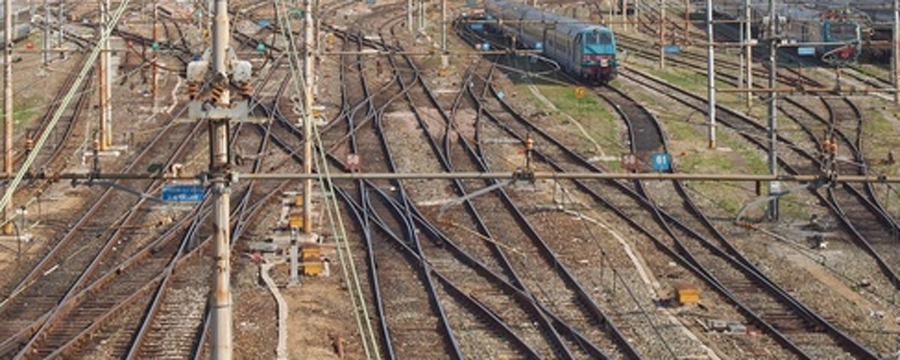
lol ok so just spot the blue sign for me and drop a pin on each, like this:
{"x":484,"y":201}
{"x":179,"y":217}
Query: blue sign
{"x":806,"y":51}
{"x":501,"y":95}
{"x":672,"y":49}
{"x":182,"y":193}
{"x":155,"y":46}
{"x":662,"y":162}
{"x":485,"y":46}
{"x":264,"y":23}
{"x":260,"y":47}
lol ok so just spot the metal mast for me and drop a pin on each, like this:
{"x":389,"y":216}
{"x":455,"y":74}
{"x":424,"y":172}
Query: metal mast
{"x":222,"y":347}
{"x":896,"y":51}
{"x":748,"y":51}
{"x":8,"y":211}
{"x":308,"y":77}
{"x":662,"y":34}
{"x":155,"y":59}
{"x":46,"y":56}
{"x":773,"y":159}
{"x":104,"y":82}
{"x":711,"y":76}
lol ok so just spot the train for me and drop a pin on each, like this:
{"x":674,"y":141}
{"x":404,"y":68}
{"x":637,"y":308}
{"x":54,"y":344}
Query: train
{"x":835,"y":36}
{"x":20,"y":32}
{"x":586,"y":50}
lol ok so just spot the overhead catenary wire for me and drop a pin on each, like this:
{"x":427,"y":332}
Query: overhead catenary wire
{"x":351,"y":275}
{"x":85,"y":69}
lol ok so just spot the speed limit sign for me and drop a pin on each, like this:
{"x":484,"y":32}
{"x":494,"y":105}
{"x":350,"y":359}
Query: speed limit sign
{"x":630,"y":161}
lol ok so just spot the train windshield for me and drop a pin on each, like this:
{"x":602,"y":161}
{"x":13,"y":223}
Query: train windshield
{"x":605,"y":37}
{"x":598,"y":37}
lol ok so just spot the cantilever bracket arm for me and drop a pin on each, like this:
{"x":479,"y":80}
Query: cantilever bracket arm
{"x":811,"y":185}
{"x":92,"y":182}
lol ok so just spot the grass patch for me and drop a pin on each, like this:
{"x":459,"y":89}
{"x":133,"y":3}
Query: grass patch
{"x":24,"y":110}
{"x":589,"y":111}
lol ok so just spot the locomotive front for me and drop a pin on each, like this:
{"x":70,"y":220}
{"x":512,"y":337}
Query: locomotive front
{"x":598,"y":53}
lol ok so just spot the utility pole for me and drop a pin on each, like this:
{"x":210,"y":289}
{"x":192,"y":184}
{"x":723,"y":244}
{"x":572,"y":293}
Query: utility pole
{"x":9,"y":210}
{"x":711,"y":75}
{"x":61,"y":18}
{"x":46,"y":55}
{"x":308,"y":76}
{"x":687,"y":22}
{"x":445,"y":59}
{"x":216,"y":105}
{"x":422,"y":20}
{"x":104,"y":82}
{"x":743,"y":60}
{"x":773,"y":159}
{"x":624,"y":4}
{"x":155,"y":59}
{"x":662,"y":34}
{"x":409,"y":16}
{"x":748,"y":51}
{"x":896,"y":51}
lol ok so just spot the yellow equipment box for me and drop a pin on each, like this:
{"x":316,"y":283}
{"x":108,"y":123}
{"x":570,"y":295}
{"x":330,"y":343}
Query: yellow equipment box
{"x":686,"y":293}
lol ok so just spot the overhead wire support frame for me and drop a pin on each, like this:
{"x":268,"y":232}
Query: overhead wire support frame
{"x":537,"y":175}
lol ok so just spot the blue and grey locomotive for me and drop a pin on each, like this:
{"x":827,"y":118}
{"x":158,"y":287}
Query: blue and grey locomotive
{"x":584,"y":49}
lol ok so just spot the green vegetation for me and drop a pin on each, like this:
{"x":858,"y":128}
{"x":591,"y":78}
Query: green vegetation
{"x":24,"y":109}
{"x":589,"y":111}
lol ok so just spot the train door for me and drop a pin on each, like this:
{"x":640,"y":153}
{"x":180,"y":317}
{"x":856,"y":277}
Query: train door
{"x":546,"y":41}
{"x":577,"y":53}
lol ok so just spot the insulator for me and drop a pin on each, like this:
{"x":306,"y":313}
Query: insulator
{"x":217,"y":92}
{"x":29,"y":144}
{"x":245,"y":88}
{"x":96,"y":145}
{"x":193,"y":89}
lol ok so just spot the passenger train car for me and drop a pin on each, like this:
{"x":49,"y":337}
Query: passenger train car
{"x":583,"y":49}
{"x":806,"y":24}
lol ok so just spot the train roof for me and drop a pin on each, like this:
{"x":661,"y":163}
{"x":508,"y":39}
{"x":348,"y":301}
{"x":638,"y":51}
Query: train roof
{"x":563,"y":23}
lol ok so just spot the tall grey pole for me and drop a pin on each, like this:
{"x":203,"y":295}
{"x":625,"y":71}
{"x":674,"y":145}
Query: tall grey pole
{"x":309,"y":78}
{"x":61,"y":18}
{"x":896,"y":51}
{"x":155,"y":60}
{"x":104,"y":82}
{"x":773,"y":157}
{"x":662,"y":34}
{"x":8,"y":211}
{"x":743,"y":58}
{"x":409,"y":15}
{"x":748,"y":51}
{"x":222,"y":317}
{"x":445,"y":59}
{"x":711,"y":76}
{"x":46,"y":55}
